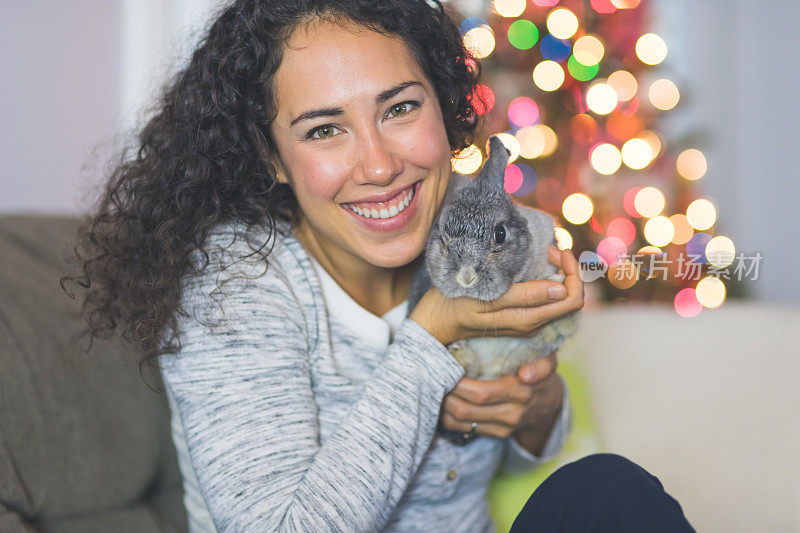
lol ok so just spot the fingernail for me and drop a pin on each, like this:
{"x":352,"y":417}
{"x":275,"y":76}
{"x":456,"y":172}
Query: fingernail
{"x":557,"y":292}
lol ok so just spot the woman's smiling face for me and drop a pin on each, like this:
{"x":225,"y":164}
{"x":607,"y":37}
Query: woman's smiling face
{"x":359,"y":133}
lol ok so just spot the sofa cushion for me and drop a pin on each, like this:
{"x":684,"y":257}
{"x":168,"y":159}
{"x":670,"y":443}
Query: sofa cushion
{"x":84,"y":438}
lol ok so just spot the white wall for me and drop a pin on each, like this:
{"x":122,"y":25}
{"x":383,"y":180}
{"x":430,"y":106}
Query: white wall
{"x":738,"y":60}
{"x":75,"y":75}
{"x":156,"y":39}
{"x":58,"y":98}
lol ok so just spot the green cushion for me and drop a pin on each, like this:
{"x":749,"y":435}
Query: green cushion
{"x":508,"y":493}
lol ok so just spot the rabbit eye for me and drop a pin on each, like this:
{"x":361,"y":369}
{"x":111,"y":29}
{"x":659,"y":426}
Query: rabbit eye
{"x":499,"y":234}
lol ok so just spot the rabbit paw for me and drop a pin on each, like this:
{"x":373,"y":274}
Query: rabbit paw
{"x":554,"y":333}
{"x":466,"y":356}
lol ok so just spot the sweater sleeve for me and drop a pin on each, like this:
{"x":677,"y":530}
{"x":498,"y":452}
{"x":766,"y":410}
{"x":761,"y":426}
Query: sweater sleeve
{"x":244,"y":397}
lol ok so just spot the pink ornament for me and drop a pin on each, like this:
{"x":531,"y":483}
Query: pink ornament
{"x":686,"y":303}
{"x":611,"y":249}
{"x":623,"y":229}
{"x":513,"y":179}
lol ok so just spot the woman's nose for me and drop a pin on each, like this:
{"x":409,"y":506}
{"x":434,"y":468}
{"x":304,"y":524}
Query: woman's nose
{"x":379,"y":164}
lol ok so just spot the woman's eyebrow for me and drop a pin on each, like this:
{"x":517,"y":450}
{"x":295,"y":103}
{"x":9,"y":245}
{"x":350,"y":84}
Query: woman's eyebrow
{"x":334,"y":111}
{"x":390,"y":93}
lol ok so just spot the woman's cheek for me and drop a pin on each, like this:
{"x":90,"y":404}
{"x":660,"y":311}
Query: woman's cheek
{"x":426,"y":144}
{"x":322,"y":178}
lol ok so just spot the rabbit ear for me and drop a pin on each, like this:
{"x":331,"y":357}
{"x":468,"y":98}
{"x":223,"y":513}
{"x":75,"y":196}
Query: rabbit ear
{"x":492,"y":175}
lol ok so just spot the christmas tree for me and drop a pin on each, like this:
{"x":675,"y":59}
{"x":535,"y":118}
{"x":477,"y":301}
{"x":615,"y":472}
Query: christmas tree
{"x":573,"y":89}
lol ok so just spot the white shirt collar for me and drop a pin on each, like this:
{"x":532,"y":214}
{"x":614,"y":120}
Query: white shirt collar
{"x":377,"y":330}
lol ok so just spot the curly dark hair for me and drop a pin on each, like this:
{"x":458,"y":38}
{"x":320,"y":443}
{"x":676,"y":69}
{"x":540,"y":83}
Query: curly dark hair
{"x":204,"y":157}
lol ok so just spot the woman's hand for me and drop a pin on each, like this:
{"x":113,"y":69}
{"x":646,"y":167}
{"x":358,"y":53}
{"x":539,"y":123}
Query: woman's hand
{"x":525,"y":405}
{"x":520,"y":312}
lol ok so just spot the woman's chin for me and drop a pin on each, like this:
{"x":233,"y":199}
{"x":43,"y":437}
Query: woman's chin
{"x":393,"y":261}
{"x":395,"y":256}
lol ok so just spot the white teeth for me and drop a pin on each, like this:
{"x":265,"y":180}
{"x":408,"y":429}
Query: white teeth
{"x":385,"y":213}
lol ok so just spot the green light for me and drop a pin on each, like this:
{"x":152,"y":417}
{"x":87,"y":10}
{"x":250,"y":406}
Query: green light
{"x":580,"y":71}
{"x":523,"y":34}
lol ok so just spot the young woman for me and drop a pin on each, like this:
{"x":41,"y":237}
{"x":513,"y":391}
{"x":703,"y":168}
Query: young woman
{"x":303,"y":398}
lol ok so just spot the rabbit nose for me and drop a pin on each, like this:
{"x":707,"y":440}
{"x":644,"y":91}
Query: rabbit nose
{"x":467,"y":277}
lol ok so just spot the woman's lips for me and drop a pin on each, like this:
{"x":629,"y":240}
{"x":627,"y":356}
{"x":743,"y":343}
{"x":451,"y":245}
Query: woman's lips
{"x":385,"y":208}
{"x":381,"y":197}
{"x":387,"y":216}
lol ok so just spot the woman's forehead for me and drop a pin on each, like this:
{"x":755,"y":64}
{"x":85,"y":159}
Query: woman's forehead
{"x":326,"y":63}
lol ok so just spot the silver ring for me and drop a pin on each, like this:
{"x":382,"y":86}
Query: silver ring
{"x":471,"y":433}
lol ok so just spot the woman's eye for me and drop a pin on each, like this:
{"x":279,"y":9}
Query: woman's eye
{"x":500,"y":234}
{"x":402,"y":108}
{"x":325,"y":132}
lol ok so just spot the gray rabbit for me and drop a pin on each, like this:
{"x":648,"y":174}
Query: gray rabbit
{"x":480,"y":243}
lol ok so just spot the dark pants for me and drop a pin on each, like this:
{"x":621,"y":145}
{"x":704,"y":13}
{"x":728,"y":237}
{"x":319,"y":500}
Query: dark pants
{"x":599,"y":493}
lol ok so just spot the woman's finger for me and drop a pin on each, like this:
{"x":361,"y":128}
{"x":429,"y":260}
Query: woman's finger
{"x":572,"y":279}
{"x":527,"y":321}
{"x":537,"y":370}
{"x":527,"y":306}
{"x":492,"y":391}
{"x":554,"y":256}
{"x":503,"y":413}
{"x":528,"y":294}
{"x":488,"y":429}
{"x":532,"y":317}
{"x":568,"y":262}
{"x":536,"y":293}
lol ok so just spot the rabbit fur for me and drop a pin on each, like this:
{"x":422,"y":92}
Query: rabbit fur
{"x":480,"y":243}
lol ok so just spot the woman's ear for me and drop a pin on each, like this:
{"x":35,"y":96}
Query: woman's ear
{"x":280,"y":172}
{"x":274,"y":159}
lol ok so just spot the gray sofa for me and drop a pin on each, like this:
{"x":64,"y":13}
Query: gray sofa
{"x":84,"y":438}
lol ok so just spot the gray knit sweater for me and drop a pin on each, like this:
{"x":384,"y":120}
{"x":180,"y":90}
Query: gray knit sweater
{"x":287,"y":418}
